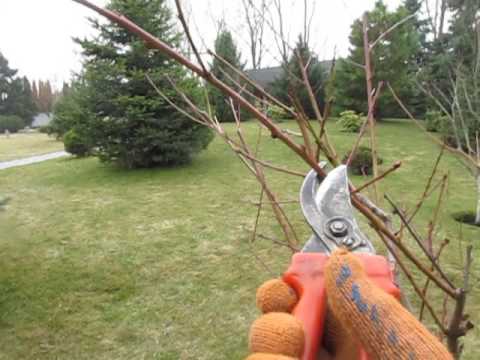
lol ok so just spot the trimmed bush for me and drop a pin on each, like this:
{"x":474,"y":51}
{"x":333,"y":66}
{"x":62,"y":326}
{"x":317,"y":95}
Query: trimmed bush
{"x":75,"y":144}
{"x":434,"y":121}
{"x":11,"y":123}
{"x":277,"y":113}
{"x":350,"y":121}
{"x":362,"y":162}
{"x":465,"y":217}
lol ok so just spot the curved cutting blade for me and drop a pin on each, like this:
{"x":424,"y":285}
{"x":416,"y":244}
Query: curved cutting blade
{"x":329,"y":211}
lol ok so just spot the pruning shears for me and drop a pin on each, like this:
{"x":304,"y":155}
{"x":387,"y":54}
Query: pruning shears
{"x":328,"y":210}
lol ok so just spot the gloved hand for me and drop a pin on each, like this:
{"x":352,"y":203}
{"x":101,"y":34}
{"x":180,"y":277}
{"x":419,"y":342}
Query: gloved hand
{"x":360,"y":314}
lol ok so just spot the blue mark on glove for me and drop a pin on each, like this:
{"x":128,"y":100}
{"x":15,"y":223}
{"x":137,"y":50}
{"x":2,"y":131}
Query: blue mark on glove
{"x":357,"y":299}
{"x":392,"y":337}
{"x":345,"y":273}
{"x":374,"y":315}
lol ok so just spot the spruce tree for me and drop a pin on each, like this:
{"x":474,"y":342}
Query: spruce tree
{"x":131,"y":124}
{"x":226,"y":48}
{"x":290,"y":84}
{"x":391,"y":60}
{"x":7,"y":76}
{"x":15,"y":94}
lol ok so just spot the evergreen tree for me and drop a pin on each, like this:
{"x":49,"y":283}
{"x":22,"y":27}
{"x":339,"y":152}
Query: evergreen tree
{"x":15,"y":94}
{"x":130,"y":123}
{"x":7,"y":76}
{"x":72,"y":112}
{"x":226,"y":48}
{"x":464,"y":40}
{"x":290,"y":84}
{"x":35,"y":95}
{"x":45,"y":96}
{"x":391,"y":61}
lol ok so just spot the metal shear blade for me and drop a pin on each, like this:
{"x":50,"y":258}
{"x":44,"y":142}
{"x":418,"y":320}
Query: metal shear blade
{"x":327,"y":208}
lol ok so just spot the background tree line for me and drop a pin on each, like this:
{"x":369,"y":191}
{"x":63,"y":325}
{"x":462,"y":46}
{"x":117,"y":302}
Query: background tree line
{"x":21,"y":100}
{"x":113,"y":112}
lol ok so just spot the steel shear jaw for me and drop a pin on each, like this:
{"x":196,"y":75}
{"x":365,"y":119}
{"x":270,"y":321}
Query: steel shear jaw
{"x":328,"y":210}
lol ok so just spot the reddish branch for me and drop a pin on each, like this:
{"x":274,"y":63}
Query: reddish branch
{"x":275,"y":131}
{"x":395,"y":166}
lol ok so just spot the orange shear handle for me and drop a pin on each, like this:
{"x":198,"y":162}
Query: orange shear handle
{"x":305,"y":276}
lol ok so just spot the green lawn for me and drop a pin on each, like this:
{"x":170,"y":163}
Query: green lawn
{"x":98,"y":263}
{"x":18,"y":146}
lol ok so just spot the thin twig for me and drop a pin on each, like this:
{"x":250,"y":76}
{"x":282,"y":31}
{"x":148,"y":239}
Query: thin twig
{"x":419,"y":242}
{"x":416,"y":288}
{"x":427,"y":281}
{"x":394,"y":167}
{"x":459,"y":324}
{"x":433,"y":223}
{"x":278,"y":242}
{"x":365,"y":124}
{"x":189,"y":36}
{"x":389,"y":30}
{"x":439,"y":142}
{"x":428,"y":185}
{"x":257,"y":87}
{"x":257,"y":218}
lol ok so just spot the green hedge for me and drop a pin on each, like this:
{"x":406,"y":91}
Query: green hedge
{"x":11,"y":123}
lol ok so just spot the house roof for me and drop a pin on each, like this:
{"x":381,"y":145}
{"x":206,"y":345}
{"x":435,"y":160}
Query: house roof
{"x":42,"y":119}
{"x":266,"y":76}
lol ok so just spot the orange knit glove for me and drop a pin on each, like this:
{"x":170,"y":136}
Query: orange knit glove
{"x":360,"y":314}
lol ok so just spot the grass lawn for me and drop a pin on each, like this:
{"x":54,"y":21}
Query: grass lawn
{"x":98,"y":263}
{"x":19,"y":146}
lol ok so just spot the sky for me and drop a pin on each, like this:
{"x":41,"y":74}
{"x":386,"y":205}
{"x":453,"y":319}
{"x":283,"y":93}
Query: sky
{"x":36,"y":36}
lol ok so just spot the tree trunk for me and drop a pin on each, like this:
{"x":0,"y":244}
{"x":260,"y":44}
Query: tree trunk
{"x":477,"y":214}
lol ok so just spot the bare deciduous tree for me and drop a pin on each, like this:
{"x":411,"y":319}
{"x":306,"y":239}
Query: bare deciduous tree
{"x":255,"y":19}
{"x":454,"y":324}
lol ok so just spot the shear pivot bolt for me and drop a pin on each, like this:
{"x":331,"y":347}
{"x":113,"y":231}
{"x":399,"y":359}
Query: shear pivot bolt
{"x":338,"y":228}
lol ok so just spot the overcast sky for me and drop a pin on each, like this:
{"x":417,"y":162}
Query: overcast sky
{"x":35,"y":36}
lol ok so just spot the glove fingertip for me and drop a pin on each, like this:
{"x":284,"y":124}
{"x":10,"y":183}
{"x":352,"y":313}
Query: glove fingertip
{"x":263,"y":356}
{"x":276,"y":296}
{"x":277,"y":333}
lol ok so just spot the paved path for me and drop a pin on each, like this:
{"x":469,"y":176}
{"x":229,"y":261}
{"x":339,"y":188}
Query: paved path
{"x":32,"y":159}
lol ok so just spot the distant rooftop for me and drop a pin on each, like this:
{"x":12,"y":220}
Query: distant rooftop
{"x":40,"y":120}
{"x":266,"y":76}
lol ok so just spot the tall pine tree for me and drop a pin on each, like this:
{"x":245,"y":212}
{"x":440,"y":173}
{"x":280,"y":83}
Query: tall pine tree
{"x":226,"y":48}
{"x":131,"y":124}
{"x":291,"y":86}
{"x":7,"y":76}
{"x":15,"y":94}
{"x":392,"y":61}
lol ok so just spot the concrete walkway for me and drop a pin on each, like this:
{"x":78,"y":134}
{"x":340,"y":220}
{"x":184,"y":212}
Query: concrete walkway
{"x":32,"y":159}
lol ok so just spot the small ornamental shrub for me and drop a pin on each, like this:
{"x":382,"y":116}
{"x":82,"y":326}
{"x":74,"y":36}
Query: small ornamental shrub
{"x":75,"y":144}
{"x":362,"y":162}
{"x":434,"y":121}
{"x":11,"y":123}
{"x":350,"y":121}
{"x":277,"y":113}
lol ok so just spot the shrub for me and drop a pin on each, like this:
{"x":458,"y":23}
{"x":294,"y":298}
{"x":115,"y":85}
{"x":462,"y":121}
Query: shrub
{"x":277,"y":113}
{"x":126,"y":121}
{"x":11,"y":123}
{"x":75,"y":144}
{"x":465,"y":217}
{"x":434,"y":121}
{"x":350,"y":121}
{"x":362,"y":162}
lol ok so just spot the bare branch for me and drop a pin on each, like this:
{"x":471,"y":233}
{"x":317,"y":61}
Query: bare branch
{"x":186,"y":29}
{"x":390,"y":29}
{"x":394,"y":167}
{"x":419,"y":241}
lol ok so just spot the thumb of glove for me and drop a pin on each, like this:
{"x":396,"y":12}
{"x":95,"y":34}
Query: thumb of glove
{"x":380,"y":324}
